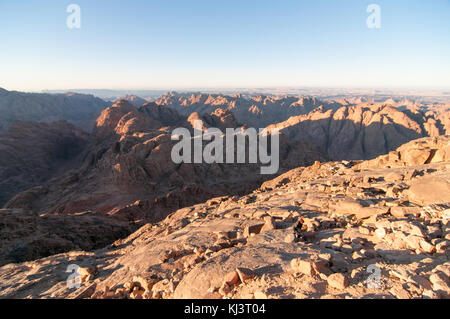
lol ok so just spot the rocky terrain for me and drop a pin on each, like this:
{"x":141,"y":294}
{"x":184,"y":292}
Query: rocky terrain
{"x":359,"y":207}
{"x":255,"y":111}
{"x":365,"y":131}
{"x":78,"y":109}
{"x":26,"y":235}
{"x":128,"y":152}
{"x":345,"y":229}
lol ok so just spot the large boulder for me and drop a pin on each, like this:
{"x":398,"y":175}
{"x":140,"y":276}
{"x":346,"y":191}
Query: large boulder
{"x":430,"y":190}
{"x":415,"y":157}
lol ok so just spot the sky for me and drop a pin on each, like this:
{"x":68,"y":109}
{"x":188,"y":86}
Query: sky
{"x":170,"y":44}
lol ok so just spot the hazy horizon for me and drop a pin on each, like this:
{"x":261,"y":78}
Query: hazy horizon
{"x":181,"y":89}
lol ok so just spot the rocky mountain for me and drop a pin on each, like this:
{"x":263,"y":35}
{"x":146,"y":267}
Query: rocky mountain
{"x":78,"y":109}
{"x":127,"y":171}
{"x":366,"y":130}
{"x":348,"y":229}
{"x":344,"y":129}
{"x":257,"y":111}
{"x":135,"y":100}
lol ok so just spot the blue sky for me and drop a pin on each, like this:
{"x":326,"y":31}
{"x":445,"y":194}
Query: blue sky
{"x":170,"y":44}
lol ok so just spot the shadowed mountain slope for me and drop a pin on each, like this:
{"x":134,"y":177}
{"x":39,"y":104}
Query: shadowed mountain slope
{"x":32,"y":153}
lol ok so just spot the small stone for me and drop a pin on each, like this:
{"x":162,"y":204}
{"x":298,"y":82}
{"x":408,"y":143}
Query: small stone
{"x":442,"y":246}
{"x":87,"y":271}
{"x":339,"y":264}
{"x":400,"y":212}
{"x":260,"y":295}
{"x":427,"y":247}
{"x":129,"y":285}
{"x":309,"y":267}
{"x":364,"y":230}
{"x":400,"y":273}
{"x":232,"y":278}
{"x":245,"y":274}
{"x":302,"y":266}
{"x":380,"y":232}
{"x":143,"y":283}
{"x":86,"y":292}
{"x":225,"y":289}
{"x":269,"y":224}
{"x":347,"y":249}
{"x":422,"y":282}
{"x":137,"y":294}
{"x":253,"y":229}
{"x":400,"y":293}
{"x":290,"y":238}
{"x":213,"y":296}
{"x":441,"y":287}
{"x":338,"y":281}
{"x":430,"y":294}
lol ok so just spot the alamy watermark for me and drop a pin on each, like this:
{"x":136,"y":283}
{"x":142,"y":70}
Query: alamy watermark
{"x":235,"y":146}
{"x":374,"y":19}
{"x":374,"y":280}
{"x":74,"y":19}
{"x":74,"y":279}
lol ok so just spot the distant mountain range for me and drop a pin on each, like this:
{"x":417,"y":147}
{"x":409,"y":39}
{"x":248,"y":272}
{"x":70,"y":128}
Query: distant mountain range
{"x":128,"y":152}
{"x":78,"y":109}
{"x":372,"y":95}
{"x":312,"y":129}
